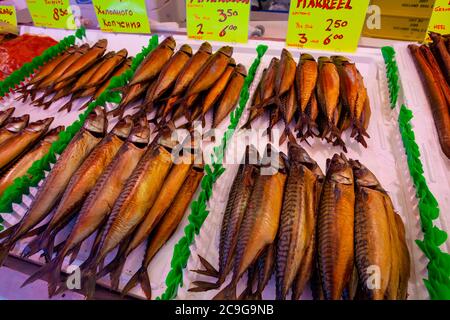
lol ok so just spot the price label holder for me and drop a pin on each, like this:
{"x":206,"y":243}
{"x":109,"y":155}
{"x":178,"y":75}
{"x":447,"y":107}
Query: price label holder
{"x":440,"y":18}
{"x":332,"y":25}
{"x":8,"y":19}
{"x":225,"y":21}
{"x":128,"y":16}
{"x":52,"y":13}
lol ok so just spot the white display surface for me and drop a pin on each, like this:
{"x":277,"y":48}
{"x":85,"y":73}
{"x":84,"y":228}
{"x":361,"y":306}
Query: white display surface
{"x":436,"y":164}
{"x":385,"y":157}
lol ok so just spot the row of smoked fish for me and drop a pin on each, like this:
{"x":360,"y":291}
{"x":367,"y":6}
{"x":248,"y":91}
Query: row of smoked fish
{"x":433,"y":62}
{"x":323,"y":98}
{"x":79,"y":72}
{"x":333,"y":231}
{"x":114,"y":185}
{"x":21,"y":144}
{"x":172,"y":85}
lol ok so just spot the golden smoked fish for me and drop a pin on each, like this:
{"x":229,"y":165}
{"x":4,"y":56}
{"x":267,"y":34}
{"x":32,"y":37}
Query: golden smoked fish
{"x":80,"y":185}
{"x":57,"y":180}
{"x":298,"y":219}
{"x":5,"y":115}
{"x":165,"y":229}
{"x":135,"y":200}
{"x":98,"y":204}
{"x":335,"y":225}
{"x":210,"y":72}
{"x":231,"y":95}
{"x":172,"y":184}
{"x":19,"y":143}
{"x":238,"y":200}
{"x":373,"y":250}
{"x":259,"y":226}
{"x":218,"y":88}
{"x":13,"y":127}
{"x":85,"y":61}
{"x":154,"y":62}
{"x":21,"y":167}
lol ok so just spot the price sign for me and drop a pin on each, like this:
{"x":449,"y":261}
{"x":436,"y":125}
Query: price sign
{"x":440,"y":19}
{"x":333,"y":25}
{"x":8,"y":19}
{"x":52,"y":13}
{"x":122,"y":16}
{"x":219,"y":20}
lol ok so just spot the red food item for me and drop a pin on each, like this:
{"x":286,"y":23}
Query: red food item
{"x":14,"y":53}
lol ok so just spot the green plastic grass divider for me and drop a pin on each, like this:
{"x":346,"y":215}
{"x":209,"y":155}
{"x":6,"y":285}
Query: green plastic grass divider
{"x":36,"y":173}
{"x":199,"y":212}
{"x":438,"y":282}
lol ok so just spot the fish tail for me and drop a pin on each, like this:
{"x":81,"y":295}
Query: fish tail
{"x":209,"y":271}
{"x":336,"y":134}
{"x":84,"y":106}
{"x":287,"y":134}
{"x":89,"y":279}
{"x":7,"y":232}
{"x":5,"y":247}
{"x":203,"y":286}
{"x":74,"y":253}
{"x":358,"y":132}
{"x":40,"y":101}
{"x":68,"y":106}
{"x":113,"y":265}
{"x":228,"y":293}
{"x":140,"y":276}
{"x":35,"y":245}
{"x":115,"y":274}
{"x":247,"y":125}
{"x":51,"y":270}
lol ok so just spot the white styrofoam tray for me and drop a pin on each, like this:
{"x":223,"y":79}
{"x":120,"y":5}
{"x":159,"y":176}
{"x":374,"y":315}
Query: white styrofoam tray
{"x":160,"y":265}
{"x":436,"y":164}
{"x":384,"y":157}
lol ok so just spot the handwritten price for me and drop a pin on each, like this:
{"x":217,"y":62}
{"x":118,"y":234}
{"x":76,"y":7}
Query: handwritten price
{"x":230,"y":27}
{"x":58,"y":13}
{"x":224,"y":15}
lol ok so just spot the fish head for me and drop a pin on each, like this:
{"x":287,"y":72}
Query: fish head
{"x":299,"y":155}
{"x":273,"y":161}
{"x":240,"y":69}
{"x":169,"y":42}
{"x":339,"y":170}
{"x":186,"y":49}
{"x":306,"y":57}
{"x":72,"y":49}
{"x":123,"y":127}
{"x":141,"y":132}
{"x":53,"y":135}
{"x":206,"y":47}
{"x":364,"y":177}
{"x":101,"y":44}
{"x":323,"y":61}
{"x":6,"y":114}
{"x":109,"y":55}
{"x":340,"y":60}
{"x":122,"y":53}
{"x":128,"y":61}
{"x":232,"y":62}
{"x":17,"y":124}
{"x":84,"y":48}
{"x":41,"y":125}
{"x":96,"y":122}
{"x":227,"y":50}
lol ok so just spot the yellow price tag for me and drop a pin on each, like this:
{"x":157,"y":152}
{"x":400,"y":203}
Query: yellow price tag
{"x":218,"y":20}
{"x":440,"y":18}
{"x":333,"y":25}
{"x":128,"y":16}
{"x":8,"y":18}
{"x":51,"y":13}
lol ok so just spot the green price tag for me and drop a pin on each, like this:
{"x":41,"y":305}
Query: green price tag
{"x":440,"y":19}
{"x":218,"y":20}
{"x":128,"y":16}
{"x":51,"y":13}
{"x":333,"y":25}
{"x":8,"y":18}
